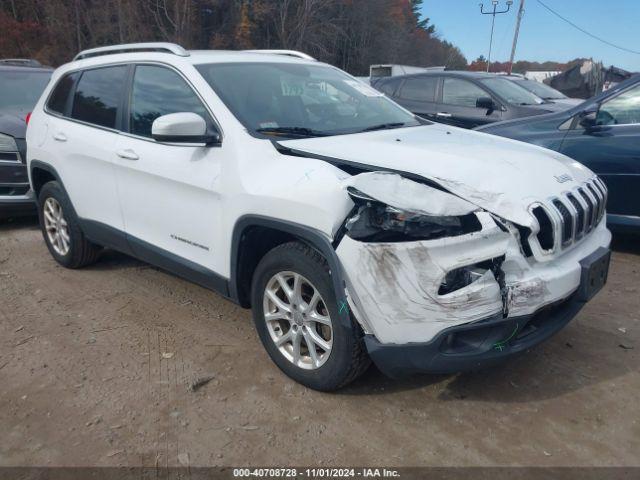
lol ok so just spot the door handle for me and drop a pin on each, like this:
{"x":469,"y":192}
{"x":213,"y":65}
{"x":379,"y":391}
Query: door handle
{"x":60,"y":137}
{"x":127,"y":154}
{"x":443,"y":115}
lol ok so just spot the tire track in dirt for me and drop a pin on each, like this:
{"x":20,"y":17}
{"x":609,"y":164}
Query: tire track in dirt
{"x":110,"y":401}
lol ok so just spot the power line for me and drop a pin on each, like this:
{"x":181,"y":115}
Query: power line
{"x":585,"y":31}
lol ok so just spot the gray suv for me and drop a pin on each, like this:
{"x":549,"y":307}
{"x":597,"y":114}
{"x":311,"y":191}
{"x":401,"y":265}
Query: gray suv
{"x":21,"y":84}
{"x":464,"y":99}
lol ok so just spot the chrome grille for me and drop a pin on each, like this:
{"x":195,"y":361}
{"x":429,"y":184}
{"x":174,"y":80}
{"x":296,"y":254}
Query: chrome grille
{"x":567,"y":221}
{"x":572,"y":215}
{"x":579,"y":215}
{"x":590,"y":210}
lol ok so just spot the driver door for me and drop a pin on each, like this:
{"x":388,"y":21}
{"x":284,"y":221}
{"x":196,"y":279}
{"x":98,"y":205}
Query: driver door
{"x":418,"y":95}
{"x":459,"y":100}
{"x":611,"y":149}
{"x":169,"y":192}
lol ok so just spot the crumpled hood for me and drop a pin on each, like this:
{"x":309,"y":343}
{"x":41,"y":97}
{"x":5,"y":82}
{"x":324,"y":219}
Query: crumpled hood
{"x":499,"y":175}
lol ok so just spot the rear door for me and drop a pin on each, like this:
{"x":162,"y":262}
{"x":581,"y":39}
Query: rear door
{"x":82,"y":133}
{"x":169,"y":192}
{"x":612,"y":150}
{"x":418,"y":95}
{"x":458,"y":107}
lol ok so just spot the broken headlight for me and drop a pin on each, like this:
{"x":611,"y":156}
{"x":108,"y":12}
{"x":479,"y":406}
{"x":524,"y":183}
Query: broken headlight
{"x":376,"y":222}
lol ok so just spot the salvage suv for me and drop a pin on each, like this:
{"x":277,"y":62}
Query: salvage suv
{"x":353,"y":229}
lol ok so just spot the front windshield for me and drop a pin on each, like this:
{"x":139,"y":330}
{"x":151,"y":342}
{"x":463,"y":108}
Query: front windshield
{"x":20,"y":90}
{"x":302,"y":100}
{"x":511,"y":92}
{"x":541,"y":90}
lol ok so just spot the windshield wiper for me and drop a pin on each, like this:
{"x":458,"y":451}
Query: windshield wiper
{"x":384,"y":126}
{"x":299,"y":131}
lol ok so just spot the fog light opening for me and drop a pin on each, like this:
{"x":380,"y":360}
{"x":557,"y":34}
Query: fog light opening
{"x":461,"y":278}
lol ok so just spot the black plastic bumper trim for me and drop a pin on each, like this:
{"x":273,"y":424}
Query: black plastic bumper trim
{"x":478,"y":345}
{"x":496,"y":338}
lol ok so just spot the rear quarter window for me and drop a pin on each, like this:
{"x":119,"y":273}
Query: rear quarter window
{"x":59,"y":98}
{"x":98,"y":95}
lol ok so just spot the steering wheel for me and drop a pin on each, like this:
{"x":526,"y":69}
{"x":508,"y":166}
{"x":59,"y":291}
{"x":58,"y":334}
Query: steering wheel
{"x":321,"y":110}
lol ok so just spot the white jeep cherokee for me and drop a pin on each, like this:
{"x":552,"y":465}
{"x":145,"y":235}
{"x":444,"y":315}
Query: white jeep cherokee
{"x":353,"y":229}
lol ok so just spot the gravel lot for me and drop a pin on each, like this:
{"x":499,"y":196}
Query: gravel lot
{"x":96,"y":364}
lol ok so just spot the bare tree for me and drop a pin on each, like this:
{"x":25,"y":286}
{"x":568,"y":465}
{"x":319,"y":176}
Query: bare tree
{"x":349,"y":33}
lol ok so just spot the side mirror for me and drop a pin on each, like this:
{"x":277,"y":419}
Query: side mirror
{"x":486,"y":103}
{"x":183,"y":127}
{"x":588,"y":119}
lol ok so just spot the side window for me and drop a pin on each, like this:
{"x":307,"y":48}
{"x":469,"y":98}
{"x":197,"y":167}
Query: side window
{"x":621,"y":110}
{"x":98,"y":95}
{"x":60,"y":95}
{"x":159,"y":91}
{"x":419,"y":89}
{"x":389,"y":87}
{"x":461,"y":93}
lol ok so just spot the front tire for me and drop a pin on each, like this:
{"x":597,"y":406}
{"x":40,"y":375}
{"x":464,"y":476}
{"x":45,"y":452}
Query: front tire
{"x":61,"y":230}
{"x":298,"y":319}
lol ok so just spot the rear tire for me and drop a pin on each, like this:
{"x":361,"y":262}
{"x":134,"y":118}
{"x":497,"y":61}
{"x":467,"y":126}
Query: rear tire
{"x":61,"y":230}
{"x":330,"y":351}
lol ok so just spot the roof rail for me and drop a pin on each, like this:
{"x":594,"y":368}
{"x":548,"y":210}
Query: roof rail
{"x":21,"y":62}
{"x":288,"y":53}
{"x":133,"y":47}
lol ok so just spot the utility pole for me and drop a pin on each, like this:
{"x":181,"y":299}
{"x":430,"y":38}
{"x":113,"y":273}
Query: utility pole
{"x":515,"y":36}
{"x":493,"y":22}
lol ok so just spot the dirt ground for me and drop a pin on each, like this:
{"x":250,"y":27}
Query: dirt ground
{"x":95,"y":368}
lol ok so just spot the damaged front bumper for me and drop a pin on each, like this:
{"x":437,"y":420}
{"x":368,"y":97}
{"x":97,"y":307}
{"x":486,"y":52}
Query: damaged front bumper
{"x":474,"y":346}
{"x":393,"y":291}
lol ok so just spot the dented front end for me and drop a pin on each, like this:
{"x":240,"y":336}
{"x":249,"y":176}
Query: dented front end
{"x":422,"y":267}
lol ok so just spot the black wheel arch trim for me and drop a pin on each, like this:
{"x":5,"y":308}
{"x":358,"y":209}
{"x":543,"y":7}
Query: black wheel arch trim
{"x":310,"y":236}
{"x":113,"y":238}
{"x":54,"y":173}
{"x":47,"y":168}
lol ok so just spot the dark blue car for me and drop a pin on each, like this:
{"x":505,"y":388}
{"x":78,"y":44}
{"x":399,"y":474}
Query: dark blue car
{"x":602,"y":133}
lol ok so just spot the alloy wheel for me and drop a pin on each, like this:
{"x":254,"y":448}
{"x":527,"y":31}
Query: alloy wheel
{"x":298,"y":320}
{"x":56,"y":227}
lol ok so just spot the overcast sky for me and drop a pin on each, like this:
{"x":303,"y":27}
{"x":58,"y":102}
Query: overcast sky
{"x":543,"y":36}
